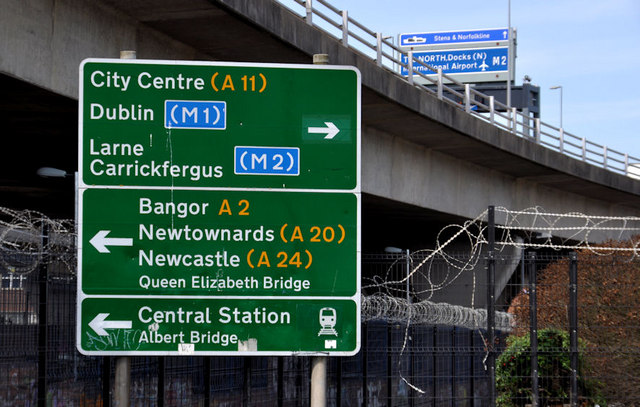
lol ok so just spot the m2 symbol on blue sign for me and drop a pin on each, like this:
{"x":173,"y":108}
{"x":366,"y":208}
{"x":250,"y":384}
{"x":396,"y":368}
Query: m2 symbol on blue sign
{"x":267,"y":161}
{"x":195,"y":114}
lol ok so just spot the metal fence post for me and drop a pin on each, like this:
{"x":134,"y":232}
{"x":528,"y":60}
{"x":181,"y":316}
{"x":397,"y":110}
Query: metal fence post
{"x":408,"y":276}
{"x":410,"y":67}
{"x":161,"y":374}
{"x":309,"y":12}
{"x":207,"y":380}
{"x":379,"y":49}
{"x":573,"y":325}
{"x":526,"y":122}
{"x":339,"y":381}
{"x":365,"y":392}
{"x":410,"y":327}
{"x":467,"y":98}
{"x":491,"y":323}
{"x":453,"y":364}
{"x":389,"y":365}
{"x":246,"y":384}
{"x":122,"y":391}
{"x":440,"y":84}
{"x":345,"y":28}
{"x":533,"y":328}
{"x":319,"y":381}
{"x":411,"y":394}
{"x":280,"y":381}
{"x":492,"y":109}
{"x":514,"y":120}
{"x":626,"y":163}
{"x":538,"y":132}
{"x":43,"y":321}
{"x":472,"y":369}
{"x":434,"y":365}
{"x":106,"y":381}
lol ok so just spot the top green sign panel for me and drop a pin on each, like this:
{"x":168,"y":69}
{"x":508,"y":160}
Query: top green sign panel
{"x":219,"y":125}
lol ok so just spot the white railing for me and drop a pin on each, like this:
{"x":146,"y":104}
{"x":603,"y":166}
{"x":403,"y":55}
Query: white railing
{"x":387,"y":55}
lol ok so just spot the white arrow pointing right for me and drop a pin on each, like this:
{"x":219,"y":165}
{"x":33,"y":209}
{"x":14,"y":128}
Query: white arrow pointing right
{"x":98,"y":324}
{"x":100,"y":241}
{"x":331,"y":130}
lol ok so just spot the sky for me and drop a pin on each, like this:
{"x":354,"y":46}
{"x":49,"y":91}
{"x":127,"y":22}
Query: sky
{"x":590,"y":48}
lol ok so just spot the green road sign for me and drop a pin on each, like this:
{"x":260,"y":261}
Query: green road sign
{"x":219,"y":125}
{"x":219,"y":243}
{"x":218,"y":208}
{"x":195,"y":326}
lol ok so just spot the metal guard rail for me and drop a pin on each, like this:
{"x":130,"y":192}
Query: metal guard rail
{"x":387,"y":55}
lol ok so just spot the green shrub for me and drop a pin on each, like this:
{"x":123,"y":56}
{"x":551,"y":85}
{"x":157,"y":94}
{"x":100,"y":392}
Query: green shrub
{"x":513,"y":371}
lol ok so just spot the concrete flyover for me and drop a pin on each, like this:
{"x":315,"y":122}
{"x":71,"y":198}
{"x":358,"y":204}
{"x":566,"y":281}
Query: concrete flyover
{"x":425,"y":162}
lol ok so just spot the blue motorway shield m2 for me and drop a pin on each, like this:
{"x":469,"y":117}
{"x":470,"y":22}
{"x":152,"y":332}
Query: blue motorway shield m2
{"x":267,"y":161}
{"x":195,"y":114}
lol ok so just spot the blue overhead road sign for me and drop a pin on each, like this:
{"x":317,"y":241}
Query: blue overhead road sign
{"x":454,"y":37}
{"x":471,"y":60}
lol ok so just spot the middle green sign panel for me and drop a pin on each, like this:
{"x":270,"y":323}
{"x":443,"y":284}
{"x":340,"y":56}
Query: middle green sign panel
{"x":219,"y":243}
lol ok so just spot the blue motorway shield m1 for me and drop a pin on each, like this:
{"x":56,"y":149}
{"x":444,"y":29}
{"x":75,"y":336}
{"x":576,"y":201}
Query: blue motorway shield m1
{"x":195,"y":114}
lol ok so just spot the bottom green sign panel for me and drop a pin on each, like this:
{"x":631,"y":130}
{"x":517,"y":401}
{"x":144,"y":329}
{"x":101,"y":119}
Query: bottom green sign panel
{"x":205,"y":326}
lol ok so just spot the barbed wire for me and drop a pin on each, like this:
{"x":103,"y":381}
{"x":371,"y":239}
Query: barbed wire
{"x":399,"y":311}
{"x":24,"y":244}
{"x":531,"y":228}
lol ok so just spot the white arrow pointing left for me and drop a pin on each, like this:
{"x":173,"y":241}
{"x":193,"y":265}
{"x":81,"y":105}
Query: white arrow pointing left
{"x":100,"y":241}
{"x":99,"y":324}
{"x":331,"y":130}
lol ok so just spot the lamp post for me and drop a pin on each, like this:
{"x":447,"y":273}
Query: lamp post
{"x":559,"y":87}
{"x":509,"y":54}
